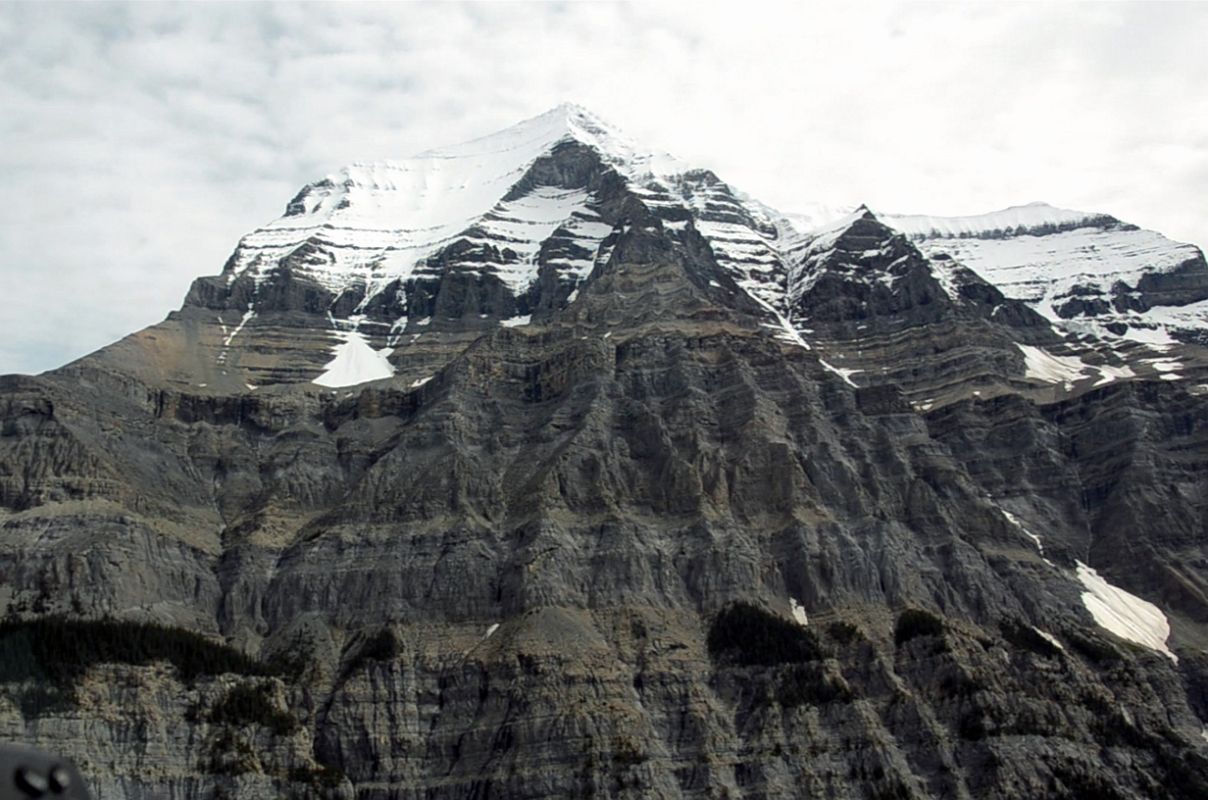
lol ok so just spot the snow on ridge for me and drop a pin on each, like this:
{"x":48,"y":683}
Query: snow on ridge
{"x":376,"y":221}
{"x":944,"y":272}
{"x":1124,"y":614}
{"x":1043,"y":269}
{"x":823,"y":238}
{"x":1027,"y":217}
{"x":811,"y":218}
{"x":1044,"y":256}
{"x":523,"y":224}
{"x":1048,"y":271}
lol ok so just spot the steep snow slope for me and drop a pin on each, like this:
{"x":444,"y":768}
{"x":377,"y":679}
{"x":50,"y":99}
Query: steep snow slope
{"x":1086,"y":272}
{"x":373,"y":222}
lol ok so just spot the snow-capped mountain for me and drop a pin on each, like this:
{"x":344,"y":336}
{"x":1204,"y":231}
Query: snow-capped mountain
{"x":480,"y":206}
{"x":544,"y":466}
{"x":374,"y":223}
{"x":526,"y":214}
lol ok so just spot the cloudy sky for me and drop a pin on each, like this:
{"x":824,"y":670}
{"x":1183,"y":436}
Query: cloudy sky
{"x":138,"y":142}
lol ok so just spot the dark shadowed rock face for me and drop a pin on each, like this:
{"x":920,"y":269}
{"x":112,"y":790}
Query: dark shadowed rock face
{"x":513,"y":569}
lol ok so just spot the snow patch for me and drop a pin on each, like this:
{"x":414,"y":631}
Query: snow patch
{"x":1167,"y":369}
{"x":1125,"y":614}
{"x":226,"y":342}
{"x":798,"y":612}
{"x":784,"y":331}
{"x":944,"y":272}
{"x":1014,"y":520}
{"x":843,"y":373}
{"x":396,"y":331}
{"x":421,"y":381}
{"x":247,"y":316}
{"x":490,"y":630}
{"x":1110,"y":373}
{"x":354,"y":361}
{"x":1049,"y":368}
{"x":516,"y":321}
{"x":1050,"y":638}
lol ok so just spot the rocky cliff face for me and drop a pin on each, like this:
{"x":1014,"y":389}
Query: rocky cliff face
{"x":615,"y":485}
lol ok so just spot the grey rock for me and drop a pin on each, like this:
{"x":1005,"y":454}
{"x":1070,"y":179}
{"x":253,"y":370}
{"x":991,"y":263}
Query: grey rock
{"x":501,"y":581}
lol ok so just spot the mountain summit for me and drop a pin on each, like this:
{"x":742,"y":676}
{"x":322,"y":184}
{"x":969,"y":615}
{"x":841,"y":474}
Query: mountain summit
{"x":374,"y":222}
{"x":544,"y":466}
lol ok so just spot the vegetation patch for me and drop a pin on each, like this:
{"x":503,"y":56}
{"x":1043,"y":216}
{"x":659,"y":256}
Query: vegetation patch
{"x":971,"y":726}
{"x":320,"y":777}
{"x":627,"y":752}
{"x":844,"y":632}
{"x":891,"y":790}
{"x":1073,"y":784}
{"x":984,"y":718}
{"x":56,"y":652}
{"x":251,"y":704}
{"x":292,"y":661}
{"x":747,"y":635}
{"x":231,"y":755}
{"x":956,"y":683}
{"x":1186,"y":775}
{"x":914,"y":622}
{"x":40,"y":699}
{"x":381,"y":647}
{"x":809,"y":684}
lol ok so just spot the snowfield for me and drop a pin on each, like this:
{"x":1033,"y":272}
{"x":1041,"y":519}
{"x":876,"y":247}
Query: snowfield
{"x":1125,"y":614}
{"x":354,"y":362}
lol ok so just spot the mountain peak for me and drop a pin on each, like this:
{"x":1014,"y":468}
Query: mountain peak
{"x":563,"y":122}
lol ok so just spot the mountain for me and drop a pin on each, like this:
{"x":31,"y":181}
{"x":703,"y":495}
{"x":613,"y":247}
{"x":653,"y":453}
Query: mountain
{"x":547,"y":466}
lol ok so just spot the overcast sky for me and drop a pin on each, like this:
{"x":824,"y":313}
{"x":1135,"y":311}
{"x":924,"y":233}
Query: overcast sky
{"x":139,"y":142}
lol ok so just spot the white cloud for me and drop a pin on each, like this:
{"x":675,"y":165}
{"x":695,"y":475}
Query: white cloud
{"x":140,"y":141}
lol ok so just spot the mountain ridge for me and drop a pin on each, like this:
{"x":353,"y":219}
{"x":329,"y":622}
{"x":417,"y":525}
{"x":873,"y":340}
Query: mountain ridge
{"x":760,"y":246}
